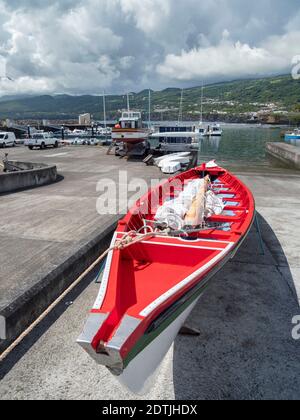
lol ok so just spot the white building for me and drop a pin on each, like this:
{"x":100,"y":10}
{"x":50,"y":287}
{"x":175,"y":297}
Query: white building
{"x":85,"y":119}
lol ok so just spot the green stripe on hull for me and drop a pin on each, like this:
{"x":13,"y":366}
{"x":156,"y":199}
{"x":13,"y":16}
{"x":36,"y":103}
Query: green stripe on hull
{"x":148,"y":338}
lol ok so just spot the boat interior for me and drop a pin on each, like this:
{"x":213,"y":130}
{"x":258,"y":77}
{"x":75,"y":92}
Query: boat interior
{"x":145,"y":276}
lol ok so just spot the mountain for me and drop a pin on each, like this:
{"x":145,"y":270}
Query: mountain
{"x":281,"y":93}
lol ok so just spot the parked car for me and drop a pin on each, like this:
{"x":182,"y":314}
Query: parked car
{"x":42,"y":140}
{"x":79,"y":141}
{"x":93,"y":142}
{"x":7,"y":139}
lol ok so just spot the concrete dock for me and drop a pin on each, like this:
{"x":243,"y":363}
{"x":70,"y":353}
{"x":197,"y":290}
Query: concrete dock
{"x":286,"y":154}
{"x":53,"y":233}
{"x":245,"y":350}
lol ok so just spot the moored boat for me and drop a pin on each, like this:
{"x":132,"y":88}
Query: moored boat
{"x":293,"y":135}
{"x":159,"y":265}
{"x":214,"y":130}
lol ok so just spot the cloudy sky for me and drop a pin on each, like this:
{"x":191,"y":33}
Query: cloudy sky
{"x":74,"y":46}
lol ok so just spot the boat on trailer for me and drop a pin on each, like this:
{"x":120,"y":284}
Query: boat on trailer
{"x":155,"y":274}
{"x":130,"y":129}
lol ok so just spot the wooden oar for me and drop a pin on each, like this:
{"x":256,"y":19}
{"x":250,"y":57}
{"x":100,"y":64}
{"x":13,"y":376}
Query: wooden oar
{"x":195,"y":216}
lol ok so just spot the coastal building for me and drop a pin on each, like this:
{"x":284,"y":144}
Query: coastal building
{"x":85,"y":119}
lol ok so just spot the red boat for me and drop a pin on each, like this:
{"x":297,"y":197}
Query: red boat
{"x":130,"y":130}
{"x":154,"y":275}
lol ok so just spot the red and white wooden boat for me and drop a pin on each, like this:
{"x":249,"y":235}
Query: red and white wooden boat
{"x":149,"y":288}
{"x":130,"y":129}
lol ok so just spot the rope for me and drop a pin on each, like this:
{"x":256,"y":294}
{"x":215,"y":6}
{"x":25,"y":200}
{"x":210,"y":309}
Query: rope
{"x":125,"y":242}
{"x":51,"y":307}
{"x":129,"y":239}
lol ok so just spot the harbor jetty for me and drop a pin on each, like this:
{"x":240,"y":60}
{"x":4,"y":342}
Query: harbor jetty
{"x":287,"y":154}
{"x":245,"y":350}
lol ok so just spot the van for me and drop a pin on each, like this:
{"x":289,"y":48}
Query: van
{"x":7,"y":139}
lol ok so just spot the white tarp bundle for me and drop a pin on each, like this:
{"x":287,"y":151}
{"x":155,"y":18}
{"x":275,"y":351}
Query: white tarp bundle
{"x":173,"y":212}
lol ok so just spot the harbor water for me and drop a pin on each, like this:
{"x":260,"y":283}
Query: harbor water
{"x":239,"y":146}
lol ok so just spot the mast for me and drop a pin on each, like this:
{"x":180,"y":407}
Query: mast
{"x":128,"y":104}
{"x":201,"y":113}
{"x":180,"y":108}
{"x":104,"y":110}
{"x":149,"y":111}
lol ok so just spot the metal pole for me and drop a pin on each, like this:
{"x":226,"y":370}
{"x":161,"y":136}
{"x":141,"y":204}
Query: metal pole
{"x":201,"y":118}
{"x":128,"y":105}
{"x":149,"y":108}
{"x":104,"y":110}
{"x":180,"y":108}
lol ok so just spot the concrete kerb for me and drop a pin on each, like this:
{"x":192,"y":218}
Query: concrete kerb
{"x":27,"y":175}
{"x":287,"y":154}
{"x":28,"y":307}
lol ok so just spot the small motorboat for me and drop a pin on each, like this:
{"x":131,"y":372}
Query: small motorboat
{"x":162,"y":256}
{"x":170,"y":167}
{"x":170,"y":164}
{"x":293,"y":135}
{"x":214,"y":131}
{"x":171,"y":156}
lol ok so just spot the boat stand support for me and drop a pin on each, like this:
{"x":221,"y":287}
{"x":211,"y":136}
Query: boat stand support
{"x":186,"y":330}
{"x":258,"y":230}
{"x":113,"y":144}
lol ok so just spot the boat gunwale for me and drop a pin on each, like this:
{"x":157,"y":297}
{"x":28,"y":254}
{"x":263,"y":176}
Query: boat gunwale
{"x":238,"y":237}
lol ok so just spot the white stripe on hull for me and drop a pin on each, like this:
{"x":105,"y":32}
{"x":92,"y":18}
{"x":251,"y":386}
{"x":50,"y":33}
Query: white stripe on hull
{"x":130,"y":135}
{"x":139,"y":376}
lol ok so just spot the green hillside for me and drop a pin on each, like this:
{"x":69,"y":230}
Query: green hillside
{"x":230,"y":98}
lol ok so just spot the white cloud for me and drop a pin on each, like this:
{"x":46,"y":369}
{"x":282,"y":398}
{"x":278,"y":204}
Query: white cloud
{"x":118,"y":45}
{"x":148,"y":14}
{"x":232,"y":59}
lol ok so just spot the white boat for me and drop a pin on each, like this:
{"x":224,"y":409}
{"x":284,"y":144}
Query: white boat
{"x":76,"y":133}
{"x":293,"y":135}
{"x":170,"y":164}
{"x":175,"y":155}
{"x":214,"y":130}
{"x":130,"y":129}
{"x":183,"y":160}
{"x":179,"y":130}
{"x":170,"y":167}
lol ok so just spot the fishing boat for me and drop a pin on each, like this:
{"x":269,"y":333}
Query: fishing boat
{"x":214,"y":130}
{"x":293,"y":135}
{"x":130,"y":129}
{"x":158,"y":266}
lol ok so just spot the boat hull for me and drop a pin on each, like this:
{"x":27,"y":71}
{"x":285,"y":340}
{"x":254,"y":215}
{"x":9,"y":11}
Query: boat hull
{"x":139,"y":376}
{"x":130,"y":136}
{"x":292,"y":137}
{"x":177,"y":134}
{"x":149,"y":289}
